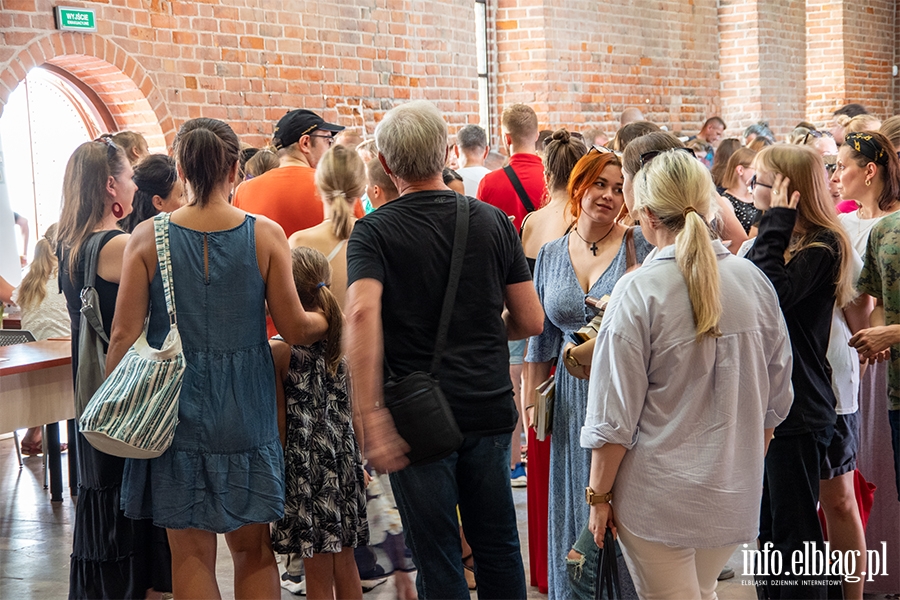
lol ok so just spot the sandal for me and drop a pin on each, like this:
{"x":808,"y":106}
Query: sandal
{"x":469,"y":572}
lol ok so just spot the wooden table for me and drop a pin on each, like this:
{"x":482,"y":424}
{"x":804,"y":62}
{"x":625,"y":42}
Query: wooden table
{"x":36,"y":389}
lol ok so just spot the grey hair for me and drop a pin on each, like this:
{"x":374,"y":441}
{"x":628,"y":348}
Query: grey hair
{"x":471,"y":137}
{"x":412,"y":138}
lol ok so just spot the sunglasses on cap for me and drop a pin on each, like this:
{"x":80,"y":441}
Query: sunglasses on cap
{"x":604,"y":150}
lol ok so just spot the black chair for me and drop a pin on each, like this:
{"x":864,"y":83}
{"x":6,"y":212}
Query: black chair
{"x":11,"y":337}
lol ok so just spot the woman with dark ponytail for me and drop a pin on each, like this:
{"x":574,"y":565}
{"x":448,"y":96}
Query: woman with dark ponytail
{"x":325,"y":506}
{"x":158,"y":190}
{"x":224,"y":472}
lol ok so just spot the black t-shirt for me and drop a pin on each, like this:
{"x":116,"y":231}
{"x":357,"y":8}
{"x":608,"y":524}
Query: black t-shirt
{"x":806,"y":291}
{"x":406,"y":245}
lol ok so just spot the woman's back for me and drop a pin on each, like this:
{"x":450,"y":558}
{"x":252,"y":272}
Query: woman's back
{"x":322,"y":238}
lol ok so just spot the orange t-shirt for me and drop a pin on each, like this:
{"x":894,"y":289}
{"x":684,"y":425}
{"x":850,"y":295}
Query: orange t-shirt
{"x":287,"y":195}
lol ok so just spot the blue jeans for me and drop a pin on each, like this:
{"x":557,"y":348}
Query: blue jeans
{"x":476,"y":478}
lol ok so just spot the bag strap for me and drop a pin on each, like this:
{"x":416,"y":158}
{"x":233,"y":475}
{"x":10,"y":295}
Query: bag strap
{"x":520,"y":189}
{"x":91,"y":249}
{"x":456,"y":261}
{"x":630,"y":252}
{"x":606,"y":578}
{"x":163,"y":255}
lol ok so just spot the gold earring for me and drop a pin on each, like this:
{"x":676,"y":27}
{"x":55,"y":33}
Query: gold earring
{"x":868,"y":182}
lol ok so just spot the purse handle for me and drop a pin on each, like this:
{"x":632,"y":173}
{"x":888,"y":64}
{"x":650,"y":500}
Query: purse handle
{"x":90,"y":303}
{"x":163,"y":255}
{"x":460,"y":238}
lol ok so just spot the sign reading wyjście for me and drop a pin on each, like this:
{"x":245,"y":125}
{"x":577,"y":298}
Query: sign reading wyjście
{"x":75,"y":19}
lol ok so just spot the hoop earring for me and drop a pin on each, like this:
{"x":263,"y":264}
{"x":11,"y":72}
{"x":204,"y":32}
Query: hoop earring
{"x":117,"y":210}
{"x":868,"y":182}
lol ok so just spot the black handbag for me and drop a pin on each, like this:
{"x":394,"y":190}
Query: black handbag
{"x":416,"y":402}
{"x":607,"y":585}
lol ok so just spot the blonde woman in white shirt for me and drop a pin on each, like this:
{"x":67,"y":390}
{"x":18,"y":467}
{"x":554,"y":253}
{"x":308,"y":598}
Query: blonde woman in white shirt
{"x":678,"y":447}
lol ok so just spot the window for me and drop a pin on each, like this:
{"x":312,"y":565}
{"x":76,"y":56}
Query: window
{"x":481,"y":51}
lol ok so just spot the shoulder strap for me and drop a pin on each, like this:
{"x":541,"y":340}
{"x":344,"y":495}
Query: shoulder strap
{"x":91,"y":249}
{"x":161,"y":228}
{"x":630,"y":252}
{"x":459,"y":249}
{"x":520,"y":189}
{"x":335,"y":250}
{"x":90,"y":300}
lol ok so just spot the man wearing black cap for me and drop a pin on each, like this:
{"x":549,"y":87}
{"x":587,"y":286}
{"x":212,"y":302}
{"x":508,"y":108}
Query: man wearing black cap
{"x":287,"y":195}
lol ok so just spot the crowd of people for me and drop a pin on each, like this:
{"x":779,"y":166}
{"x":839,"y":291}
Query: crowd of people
{"x":750,"y":304}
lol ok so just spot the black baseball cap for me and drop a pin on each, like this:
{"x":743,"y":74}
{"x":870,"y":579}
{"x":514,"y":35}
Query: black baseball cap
{"x":297,"y":123}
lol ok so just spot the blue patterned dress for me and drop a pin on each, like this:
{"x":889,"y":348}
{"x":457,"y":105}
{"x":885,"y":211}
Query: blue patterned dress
{"x":225,"y":467}
{"x":565,"y":311}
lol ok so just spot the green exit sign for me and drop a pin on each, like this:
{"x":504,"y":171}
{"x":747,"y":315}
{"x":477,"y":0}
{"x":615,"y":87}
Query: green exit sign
{"x":75,"y":19}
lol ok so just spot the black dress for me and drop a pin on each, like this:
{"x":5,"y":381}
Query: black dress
{"x":112,"y":555}
{"x":745,"y":212}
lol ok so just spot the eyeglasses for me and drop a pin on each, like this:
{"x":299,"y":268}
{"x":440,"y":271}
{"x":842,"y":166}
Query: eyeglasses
{"x":646,"y":157}
{"x":604,"y":150}
{"x":754,"y":182}
{"x":816,"y":135}
{"x":330,"y":138}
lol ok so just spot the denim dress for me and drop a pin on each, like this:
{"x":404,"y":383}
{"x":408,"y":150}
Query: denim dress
{"x":225,"y":467}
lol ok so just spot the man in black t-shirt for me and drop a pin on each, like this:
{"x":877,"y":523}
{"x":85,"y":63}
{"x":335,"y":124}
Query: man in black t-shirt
{"x":398,"y":267}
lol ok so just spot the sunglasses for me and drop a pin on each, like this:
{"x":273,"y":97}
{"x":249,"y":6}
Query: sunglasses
{"x":754,"y":182}
{"x":111,"y":148}
{"x":815,"y":134}
{"x":646,"y":157}
{"x":604,"y":150}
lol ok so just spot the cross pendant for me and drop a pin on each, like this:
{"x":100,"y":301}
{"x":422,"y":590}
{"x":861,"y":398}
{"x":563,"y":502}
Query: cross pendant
{"x":594,"y":248}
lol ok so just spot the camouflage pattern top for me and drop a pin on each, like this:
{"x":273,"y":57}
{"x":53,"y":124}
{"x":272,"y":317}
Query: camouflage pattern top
{"x":880,"y":278}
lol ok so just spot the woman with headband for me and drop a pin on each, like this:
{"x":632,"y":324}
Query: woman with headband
{"x":677,"y":453}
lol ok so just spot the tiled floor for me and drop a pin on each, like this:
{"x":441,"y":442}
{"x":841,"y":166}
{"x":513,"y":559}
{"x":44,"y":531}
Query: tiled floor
{"x":36,"y":538}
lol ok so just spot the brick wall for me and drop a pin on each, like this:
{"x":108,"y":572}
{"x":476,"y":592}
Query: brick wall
{"x":595,"y":59}
{"x":156,"y":63}
{"x":247,"y":61}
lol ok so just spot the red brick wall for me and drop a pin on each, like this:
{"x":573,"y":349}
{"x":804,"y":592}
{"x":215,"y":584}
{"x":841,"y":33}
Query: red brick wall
{"x":581,"y":62}
{"x":156,"y":63}
{"x":247,"y":61}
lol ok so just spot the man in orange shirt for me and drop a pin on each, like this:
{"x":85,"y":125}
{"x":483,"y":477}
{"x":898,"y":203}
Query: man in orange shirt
{"x":288,"y":195}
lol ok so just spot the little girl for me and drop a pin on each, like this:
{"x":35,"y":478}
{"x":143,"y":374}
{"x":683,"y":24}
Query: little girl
{"x":325,"y":504}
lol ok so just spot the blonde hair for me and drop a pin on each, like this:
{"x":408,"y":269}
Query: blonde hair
{"x":341,"y":180}
{"x":742,"y":157}
{"x":891,"y":130}
{"x":33,"y":288}
{"x":858,"y":123}
{"x":312,"y":278}
{"x":261,"y":162}
{"x":521,"y":122}
{"x":678,"y":191}
{"x":133,"y":144}
{"x":815,"y":211}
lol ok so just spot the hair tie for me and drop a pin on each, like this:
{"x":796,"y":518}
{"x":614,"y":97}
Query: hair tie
{"x":687,"y":211}
{"x":320,"y":285}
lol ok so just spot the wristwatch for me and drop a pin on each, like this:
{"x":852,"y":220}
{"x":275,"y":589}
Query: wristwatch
{"x":593,"y":497}
{"x":571,"y":361}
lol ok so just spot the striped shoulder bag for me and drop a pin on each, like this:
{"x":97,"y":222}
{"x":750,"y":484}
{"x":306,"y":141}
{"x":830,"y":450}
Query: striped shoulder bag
{"x":134,"y":412}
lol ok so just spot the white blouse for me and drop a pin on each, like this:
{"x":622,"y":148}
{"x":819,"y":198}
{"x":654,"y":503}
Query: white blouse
{"x":50,"y":318}
{"x":690,"y":414}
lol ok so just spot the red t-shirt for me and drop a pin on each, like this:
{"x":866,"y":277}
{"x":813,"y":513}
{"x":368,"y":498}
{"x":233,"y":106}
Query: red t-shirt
{"x":496,"y":188}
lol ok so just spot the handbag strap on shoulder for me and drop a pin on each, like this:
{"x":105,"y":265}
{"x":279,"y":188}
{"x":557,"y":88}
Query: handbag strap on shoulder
{"x":456,"y":261}
{"x":91,"y":252}
{"x":163,"y":254}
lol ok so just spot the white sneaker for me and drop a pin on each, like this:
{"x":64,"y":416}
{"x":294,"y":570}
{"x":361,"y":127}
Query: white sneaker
{"x":295,"y":584}
{"x":517,"y":477}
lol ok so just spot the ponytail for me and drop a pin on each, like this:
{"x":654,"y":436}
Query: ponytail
{"x":33,"y":288}
{"x":312,"y":278}
{"x":678,"y":191}
{"x":341,"y":215}
{"x":697,"y":262}
{"x":341,"y":179}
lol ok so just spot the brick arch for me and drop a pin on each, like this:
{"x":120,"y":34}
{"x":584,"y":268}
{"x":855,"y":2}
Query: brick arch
{"x":119,"y":81}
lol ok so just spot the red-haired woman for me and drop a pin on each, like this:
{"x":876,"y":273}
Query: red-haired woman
{"x":586,"y":262}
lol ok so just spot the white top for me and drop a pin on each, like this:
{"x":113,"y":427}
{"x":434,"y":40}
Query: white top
{"x":472,"y":176}
{"x":690,"y":414}
{"x":858,"y":229}
{"x":50,"y":318}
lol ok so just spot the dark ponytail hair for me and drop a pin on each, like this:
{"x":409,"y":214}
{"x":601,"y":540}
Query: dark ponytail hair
{"x":154,"y":175}
{"x":561,"y":152}
{"x":312,"y":278}
{"x":206,"y":150}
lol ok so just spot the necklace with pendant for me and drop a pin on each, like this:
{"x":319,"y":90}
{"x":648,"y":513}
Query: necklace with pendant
{"x":594,"y":244}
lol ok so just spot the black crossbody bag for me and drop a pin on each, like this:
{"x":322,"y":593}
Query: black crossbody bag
{"x":416,"y":402}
